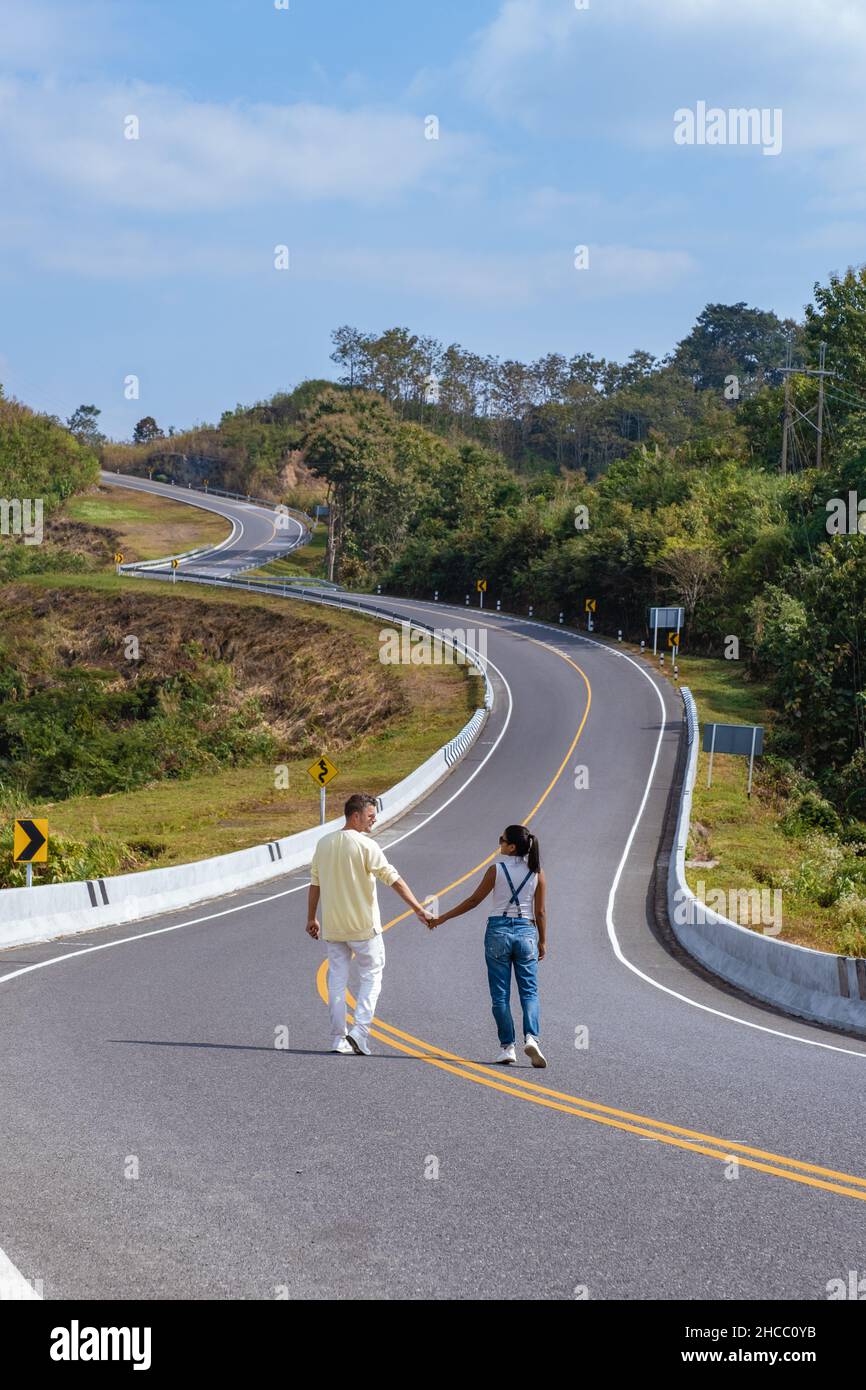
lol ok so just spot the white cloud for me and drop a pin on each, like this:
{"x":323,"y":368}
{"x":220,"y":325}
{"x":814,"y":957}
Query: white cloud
{"x":52,"y":36}
{"x":491,"y":278}
{"x":199,"y":155}
{"x":498,"y":279}
{"x":618,"y":71}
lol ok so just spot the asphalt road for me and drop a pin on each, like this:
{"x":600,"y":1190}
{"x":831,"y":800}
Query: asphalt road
{"x":258,"y":534}
{"x":423,"y":1171}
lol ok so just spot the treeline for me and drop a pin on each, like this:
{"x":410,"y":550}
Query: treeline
{"x":40,"y":461}
{"x":708,"y":522}
{"x":39,"y":458}
{"x":579,"y":412}
{"x":254,"y":449}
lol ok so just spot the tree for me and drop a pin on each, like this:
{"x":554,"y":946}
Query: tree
{"x":692,"y":569}
{"x":346,"y":433}
{"x":147,"y":429}
{"x":82,"y":423}
{"x":733,"y":340}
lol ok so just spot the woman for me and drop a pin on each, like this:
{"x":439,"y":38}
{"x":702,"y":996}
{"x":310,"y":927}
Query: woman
{"x":516,"y":936}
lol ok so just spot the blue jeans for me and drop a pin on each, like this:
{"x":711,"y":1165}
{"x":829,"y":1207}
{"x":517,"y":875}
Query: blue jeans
{"x":512,"y":941}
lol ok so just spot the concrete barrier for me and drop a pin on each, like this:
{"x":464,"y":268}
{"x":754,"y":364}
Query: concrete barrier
{"x":809,"y":984}
{"x":60,"y":909}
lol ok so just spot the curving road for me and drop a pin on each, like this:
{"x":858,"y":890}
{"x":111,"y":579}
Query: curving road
{"x":699,"y":1147}
{"x":258,"y":533}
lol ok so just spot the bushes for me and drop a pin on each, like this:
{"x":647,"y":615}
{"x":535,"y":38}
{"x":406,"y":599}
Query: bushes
{"x":70,"y":859}
{"x":85,"y":735}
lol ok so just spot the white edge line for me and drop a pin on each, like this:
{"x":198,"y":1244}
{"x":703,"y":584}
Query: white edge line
{"x":609,"y":918}
{"x":13,"y":1286}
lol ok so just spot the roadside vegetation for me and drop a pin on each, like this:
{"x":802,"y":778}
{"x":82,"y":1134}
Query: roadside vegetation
{"x":143,"y":526}
{"x":787,"y":837}
{"x":652,"y":481}
{"x":152,"y":730}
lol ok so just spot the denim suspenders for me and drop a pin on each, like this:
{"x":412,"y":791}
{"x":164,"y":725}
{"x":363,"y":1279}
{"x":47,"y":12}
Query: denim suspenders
{"x":515,"y":892}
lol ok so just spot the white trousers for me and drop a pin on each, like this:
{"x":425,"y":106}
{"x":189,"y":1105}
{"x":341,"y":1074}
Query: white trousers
{"x":369,"y":957}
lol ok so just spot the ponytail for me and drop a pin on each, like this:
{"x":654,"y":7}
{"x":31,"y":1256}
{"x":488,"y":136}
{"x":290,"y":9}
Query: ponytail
{"x":526,"y":845}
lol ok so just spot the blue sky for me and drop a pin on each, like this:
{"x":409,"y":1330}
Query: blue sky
{"x":261,"y":126}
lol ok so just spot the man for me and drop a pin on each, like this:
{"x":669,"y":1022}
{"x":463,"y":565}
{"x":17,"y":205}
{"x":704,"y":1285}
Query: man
{"x":343,"y":875}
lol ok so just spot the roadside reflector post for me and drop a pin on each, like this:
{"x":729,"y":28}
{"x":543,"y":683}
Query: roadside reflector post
{"x":467,"y":598}
{"x":642,"y":646}
{"x":499,"y":605}
{"x":436,"y":596}
{"x":530,"y":610}
{"x":712,"y":751}
{"x":619,"y":635}
{"x":562,"y":617}
{"x":752,"y":761}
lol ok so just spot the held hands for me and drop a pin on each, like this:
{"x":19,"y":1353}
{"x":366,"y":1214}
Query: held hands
{"x":426,"y":916}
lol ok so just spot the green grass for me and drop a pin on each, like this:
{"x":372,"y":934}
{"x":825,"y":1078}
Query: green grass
{"x":148,"y":526}
{"x":309,"y":562}
{"x":746,"y":837}
{"x":172,"y":822}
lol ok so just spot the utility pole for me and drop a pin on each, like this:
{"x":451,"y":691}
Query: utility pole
{"x":821,"y":404}
{"x":786,"y":428}
{"x":791,"y":409}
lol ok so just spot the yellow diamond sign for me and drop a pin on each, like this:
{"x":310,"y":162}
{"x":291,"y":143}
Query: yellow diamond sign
{"x":322,"y":771}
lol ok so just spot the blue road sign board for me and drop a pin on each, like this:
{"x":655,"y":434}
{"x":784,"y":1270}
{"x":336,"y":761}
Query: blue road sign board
{"x":734,"y":738}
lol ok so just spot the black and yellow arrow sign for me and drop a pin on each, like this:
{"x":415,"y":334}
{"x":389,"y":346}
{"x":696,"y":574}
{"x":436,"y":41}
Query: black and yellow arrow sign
{"x":322,"y":771}
{"x":673,"y":639}
{"x":481,"y":586}
{"x":591,"y":605}
{"x":174,"y":564}
{"x":118,"y":559}
{"x":30,"y":842}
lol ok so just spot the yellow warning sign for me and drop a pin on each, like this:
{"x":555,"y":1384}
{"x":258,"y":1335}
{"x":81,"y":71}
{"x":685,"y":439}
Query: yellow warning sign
{"x":673,"y":639}
{"x":481,"y":586}
{"x":591,"y":605}
{"x":118,"y":559}
{"x":174,"y":564}
{"x":322,"y":771}
{"x":30,"y":842}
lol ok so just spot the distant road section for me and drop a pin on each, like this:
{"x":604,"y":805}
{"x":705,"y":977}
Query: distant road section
{"x":258,"y":534}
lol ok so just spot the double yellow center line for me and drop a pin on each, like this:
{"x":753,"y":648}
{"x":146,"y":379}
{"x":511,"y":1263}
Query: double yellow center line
{"x":644,"y":1126}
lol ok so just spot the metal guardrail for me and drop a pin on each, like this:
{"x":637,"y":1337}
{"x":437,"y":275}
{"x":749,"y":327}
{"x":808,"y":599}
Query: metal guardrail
{"x":282,"y":588}
{"x":811,"y":984}
{"x":307,"y":521}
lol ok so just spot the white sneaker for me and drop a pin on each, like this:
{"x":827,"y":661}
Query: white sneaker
{"x":342,"y":1045}
{"x":507,"y":1055}
{"x":534,"y":1052}
{"x":358,"y":1045}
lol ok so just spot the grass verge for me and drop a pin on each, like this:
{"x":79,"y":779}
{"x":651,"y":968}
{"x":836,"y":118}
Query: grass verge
{"x":744,"y":845}
{"x":176,"y":821}
{"x":147,"y":526}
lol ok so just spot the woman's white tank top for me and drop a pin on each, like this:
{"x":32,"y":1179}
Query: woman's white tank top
{"x":503,"y":903}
